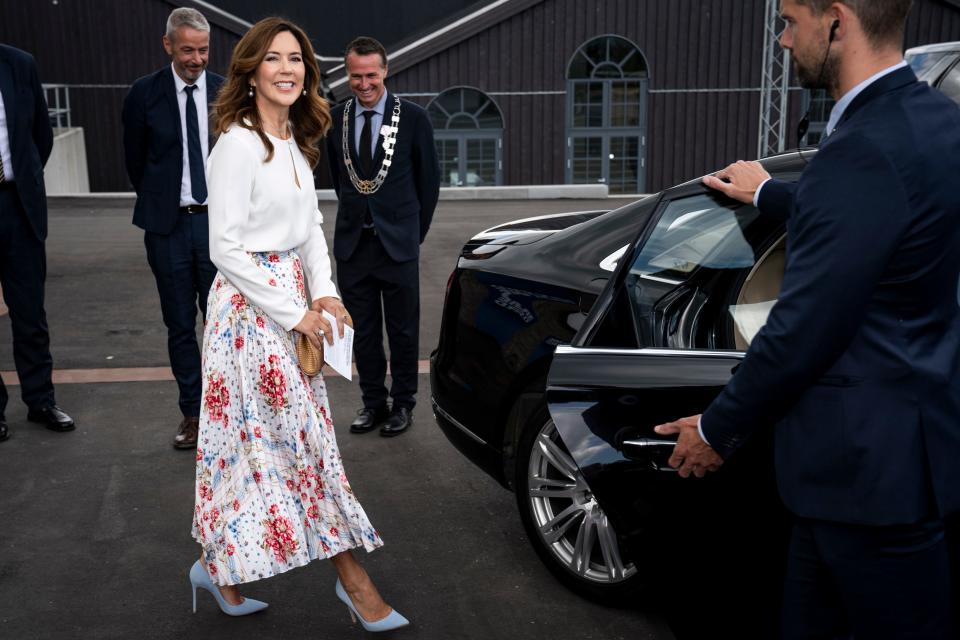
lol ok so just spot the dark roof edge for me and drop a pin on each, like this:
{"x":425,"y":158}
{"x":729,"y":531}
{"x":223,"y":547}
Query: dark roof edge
{"x":418,"y":48}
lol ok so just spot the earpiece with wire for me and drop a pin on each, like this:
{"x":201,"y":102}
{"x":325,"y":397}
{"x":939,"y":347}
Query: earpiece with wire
{"x":804,"y":125}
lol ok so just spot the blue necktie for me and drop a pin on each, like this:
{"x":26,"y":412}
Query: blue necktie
{"x":198,"y":181}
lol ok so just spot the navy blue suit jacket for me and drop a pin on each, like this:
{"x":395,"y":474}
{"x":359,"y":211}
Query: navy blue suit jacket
{"x":30,"y":134}
{"x":153,"y":147}
{"x":859,"y":361}
{"x":403,"y":207}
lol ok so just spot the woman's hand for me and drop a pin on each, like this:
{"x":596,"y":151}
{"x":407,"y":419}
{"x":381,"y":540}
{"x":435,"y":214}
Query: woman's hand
{"x":315,"y":327}
{"x":334,"y":307}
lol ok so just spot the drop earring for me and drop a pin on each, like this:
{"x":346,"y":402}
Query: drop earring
{"x":250,"y":92}
{"x":304,"y":92}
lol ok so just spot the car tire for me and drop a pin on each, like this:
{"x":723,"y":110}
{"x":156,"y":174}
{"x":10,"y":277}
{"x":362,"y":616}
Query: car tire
{"x":568,"y":529}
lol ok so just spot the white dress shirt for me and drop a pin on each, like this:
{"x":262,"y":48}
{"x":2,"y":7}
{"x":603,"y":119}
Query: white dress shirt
{"x":376,"y":121}
{"x":837,"y":112}
{"x":200,"y":99}
{"x":5,"y":154}
{"x":256,"y":206}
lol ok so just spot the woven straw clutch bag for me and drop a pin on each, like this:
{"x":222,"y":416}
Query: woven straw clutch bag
{"x":309,"y":357}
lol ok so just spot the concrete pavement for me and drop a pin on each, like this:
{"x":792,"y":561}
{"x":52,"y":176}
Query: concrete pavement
{"x":95,"y":524}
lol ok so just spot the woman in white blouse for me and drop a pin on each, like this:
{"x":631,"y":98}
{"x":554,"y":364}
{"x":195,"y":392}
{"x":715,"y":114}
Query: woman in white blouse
{"x":271,"y":492}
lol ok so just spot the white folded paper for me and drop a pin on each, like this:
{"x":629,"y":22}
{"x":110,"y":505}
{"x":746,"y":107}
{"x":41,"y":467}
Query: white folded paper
{"x":339,"y":355}
{"x":750,"y":318}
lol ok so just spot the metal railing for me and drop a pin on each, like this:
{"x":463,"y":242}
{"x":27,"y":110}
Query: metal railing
{"x":774,"y":85}
{"x":58,"y":104}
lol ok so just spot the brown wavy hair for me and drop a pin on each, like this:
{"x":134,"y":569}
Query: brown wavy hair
{"x":309,"y":115}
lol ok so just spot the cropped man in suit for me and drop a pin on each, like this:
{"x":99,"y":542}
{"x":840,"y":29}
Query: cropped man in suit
{"x":26,"y":141}
{"x":166,"y":143}
{"x":386,"y":175}
{"x":859,"y":361}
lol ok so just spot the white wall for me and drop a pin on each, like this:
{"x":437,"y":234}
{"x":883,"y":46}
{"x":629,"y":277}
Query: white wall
{"x":66,"y":170}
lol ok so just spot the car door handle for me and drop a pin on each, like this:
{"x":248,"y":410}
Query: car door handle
{"x":646,"y":443}
{"x":650,"y":450}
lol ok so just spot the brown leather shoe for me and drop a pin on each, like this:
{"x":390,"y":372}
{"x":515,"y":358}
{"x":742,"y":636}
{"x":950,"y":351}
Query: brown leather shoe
{"x":186,"y":437}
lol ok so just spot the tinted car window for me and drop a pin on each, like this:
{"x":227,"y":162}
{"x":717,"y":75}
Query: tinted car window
{"x":689,"y":285}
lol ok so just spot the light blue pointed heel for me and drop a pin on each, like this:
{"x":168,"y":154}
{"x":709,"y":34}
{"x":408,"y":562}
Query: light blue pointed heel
{"x":392,"y":621}
{"x":199,"y":578}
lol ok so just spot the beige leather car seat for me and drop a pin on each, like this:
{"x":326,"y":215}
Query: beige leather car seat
{"x":758,"y":294}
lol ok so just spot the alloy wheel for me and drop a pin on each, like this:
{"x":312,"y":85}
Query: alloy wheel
{"x":570,"y":522}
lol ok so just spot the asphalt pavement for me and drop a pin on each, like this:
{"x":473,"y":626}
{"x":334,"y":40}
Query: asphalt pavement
{"x":95,"y":524}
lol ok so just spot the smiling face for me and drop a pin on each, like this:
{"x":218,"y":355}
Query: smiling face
{"x":189,"y":50}
{"x":278,"y":79}
{"x":366,"y":73}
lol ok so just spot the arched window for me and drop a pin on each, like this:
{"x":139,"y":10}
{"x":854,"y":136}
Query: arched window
{"x":468,"y":130}
{"x":606,"y":115}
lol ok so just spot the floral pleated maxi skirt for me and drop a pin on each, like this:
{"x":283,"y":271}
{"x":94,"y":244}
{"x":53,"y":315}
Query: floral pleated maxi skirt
{"x":271,"y":492}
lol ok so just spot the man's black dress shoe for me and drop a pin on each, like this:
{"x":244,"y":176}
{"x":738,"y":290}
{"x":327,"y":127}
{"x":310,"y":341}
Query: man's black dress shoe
{"x":399,"y":421}
{"x":369,"y":419}
{"x":4,"y":432}
{"x":52,"y":416}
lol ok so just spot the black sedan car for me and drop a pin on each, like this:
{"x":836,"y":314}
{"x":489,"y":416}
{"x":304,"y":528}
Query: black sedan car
{"x":565,"y":339}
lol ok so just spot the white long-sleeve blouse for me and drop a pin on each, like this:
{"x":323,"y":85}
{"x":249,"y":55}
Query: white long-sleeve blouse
{"x":257,"y":206}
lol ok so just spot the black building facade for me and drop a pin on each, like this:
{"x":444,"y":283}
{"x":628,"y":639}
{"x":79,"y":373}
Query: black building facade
{"x":639,"y":94}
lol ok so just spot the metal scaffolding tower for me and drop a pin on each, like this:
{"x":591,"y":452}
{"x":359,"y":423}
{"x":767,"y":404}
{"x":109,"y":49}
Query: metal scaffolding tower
{"x":774,"y":86}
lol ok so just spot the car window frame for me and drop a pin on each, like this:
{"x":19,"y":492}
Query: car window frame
{"x":953,"y":67}
{"x":585,"y":336}
{"x":932,"y":74}
{"x":591,"y":323}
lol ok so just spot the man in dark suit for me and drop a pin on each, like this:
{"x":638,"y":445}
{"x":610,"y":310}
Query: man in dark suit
{"x":26,"y":141}
{"x":859,"y":361}
{"x":166,"y":143}
{"x":386,"y":175}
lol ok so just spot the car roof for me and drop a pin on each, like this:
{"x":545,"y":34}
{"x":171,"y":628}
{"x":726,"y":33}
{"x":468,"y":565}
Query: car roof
{"x":786,"y":165}
{"x":788,"y":161}
{"x":934,"y":48}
